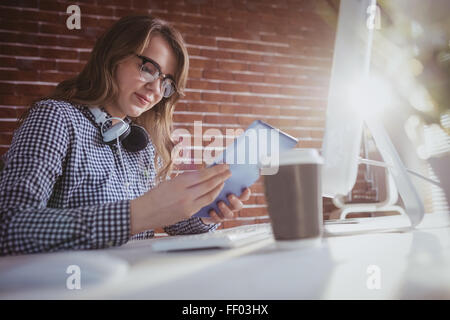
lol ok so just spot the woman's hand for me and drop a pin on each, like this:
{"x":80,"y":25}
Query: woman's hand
{"x":177,"y":199}
{"x":227,"y":212}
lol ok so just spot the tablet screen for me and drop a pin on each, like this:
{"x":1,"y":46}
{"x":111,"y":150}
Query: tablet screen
{"x":253,"y":153}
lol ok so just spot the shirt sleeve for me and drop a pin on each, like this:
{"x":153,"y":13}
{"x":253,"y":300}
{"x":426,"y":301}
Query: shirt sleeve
{"x":192,"y":225}
{"x":33,"y":164}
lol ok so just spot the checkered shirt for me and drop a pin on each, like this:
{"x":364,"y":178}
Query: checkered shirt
{"x":63,"y":188}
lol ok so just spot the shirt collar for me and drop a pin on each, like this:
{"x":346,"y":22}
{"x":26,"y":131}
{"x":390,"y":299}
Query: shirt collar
{"x":126,"y":119}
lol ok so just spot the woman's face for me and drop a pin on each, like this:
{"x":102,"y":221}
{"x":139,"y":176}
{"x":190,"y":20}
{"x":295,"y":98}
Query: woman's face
{"x":135,"y":95}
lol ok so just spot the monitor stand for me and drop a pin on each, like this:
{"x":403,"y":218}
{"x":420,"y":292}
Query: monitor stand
{"x":388,"y":205}
{"x":398,"y":182}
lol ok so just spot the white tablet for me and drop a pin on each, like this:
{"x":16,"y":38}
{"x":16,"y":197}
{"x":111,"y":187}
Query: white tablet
{"x":247,"y":157}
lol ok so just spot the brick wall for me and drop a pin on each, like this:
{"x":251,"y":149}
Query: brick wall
{"x":250,"y":59}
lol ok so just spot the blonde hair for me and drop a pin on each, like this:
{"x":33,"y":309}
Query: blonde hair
{"x":95,"y":85}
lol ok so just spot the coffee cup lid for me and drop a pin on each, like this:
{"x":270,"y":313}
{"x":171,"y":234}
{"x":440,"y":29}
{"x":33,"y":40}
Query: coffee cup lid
{"x":298,"y":156}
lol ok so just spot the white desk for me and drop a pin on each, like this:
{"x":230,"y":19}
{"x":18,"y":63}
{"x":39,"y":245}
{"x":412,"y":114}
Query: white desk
{"x":411,"y":265}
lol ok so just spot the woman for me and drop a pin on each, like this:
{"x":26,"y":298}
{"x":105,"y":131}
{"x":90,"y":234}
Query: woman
{"x":66,"y":186}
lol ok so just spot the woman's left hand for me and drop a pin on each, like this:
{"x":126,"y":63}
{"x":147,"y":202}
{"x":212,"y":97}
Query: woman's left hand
{"x":227,"y":212}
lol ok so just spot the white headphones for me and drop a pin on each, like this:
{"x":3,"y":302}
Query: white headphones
{"x":133,"y":137}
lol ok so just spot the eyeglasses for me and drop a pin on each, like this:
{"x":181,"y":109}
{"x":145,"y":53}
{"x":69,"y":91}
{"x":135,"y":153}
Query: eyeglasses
{"x":151,"y":71}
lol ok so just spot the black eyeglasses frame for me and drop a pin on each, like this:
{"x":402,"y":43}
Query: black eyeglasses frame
{"x":161,"y":75}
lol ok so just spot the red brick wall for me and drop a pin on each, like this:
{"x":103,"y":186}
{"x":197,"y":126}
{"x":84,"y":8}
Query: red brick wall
{"x":253,"y":59}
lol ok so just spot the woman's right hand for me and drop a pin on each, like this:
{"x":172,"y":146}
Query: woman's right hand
{"x":177,"y":199}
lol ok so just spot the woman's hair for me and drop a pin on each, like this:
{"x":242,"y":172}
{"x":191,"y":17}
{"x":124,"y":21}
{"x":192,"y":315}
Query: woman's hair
{"x":95,"y":85}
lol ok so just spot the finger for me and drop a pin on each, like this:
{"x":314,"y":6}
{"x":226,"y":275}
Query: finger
{"x":235,"y":202}
{"x":207,"y":220}
{"x":206,"y":187}
{"x":225,"y":211}
{"x":214,"y":216}
{"x":208,"y":197}
{"x":200,"y":176}
{"x":245,"y":194}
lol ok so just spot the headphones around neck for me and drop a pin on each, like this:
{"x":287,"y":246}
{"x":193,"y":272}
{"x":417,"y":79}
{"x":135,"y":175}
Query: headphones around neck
{"x":132,"y":137}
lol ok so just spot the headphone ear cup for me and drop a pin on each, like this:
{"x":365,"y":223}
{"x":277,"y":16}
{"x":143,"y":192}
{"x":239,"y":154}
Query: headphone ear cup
{"x":110,"y":136}
{"x":136,"y":140}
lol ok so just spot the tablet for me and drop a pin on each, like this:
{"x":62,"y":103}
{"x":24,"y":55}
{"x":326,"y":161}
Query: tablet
{"x":253,"y":153}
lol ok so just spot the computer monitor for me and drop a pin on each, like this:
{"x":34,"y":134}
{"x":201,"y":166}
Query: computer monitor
{"x":342,"y":140}
{"x":344,"y":123}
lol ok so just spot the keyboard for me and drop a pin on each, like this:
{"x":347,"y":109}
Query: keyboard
{"x":243,"y":235}
{"x":222,"y":238}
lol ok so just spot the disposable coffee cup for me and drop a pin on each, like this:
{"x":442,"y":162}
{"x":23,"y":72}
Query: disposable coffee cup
{"x":294,"y":198}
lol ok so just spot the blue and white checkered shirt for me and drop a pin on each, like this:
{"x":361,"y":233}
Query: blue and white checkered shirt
{"x":63,"y":188}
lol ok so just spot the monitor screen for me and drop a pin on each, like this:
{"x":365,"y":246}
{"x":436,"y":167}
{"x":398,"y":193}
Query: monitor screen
{"x":350,"y":100}
{"x":343,"y":132}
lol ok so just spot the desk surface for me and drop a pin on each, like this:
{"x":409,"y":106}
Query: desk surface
{"x":393,"y":265}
